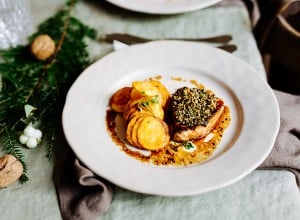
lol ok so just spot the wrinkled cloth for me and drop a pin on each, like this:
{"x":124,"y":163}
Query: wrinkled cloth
{"x":278,"y":38}
{"x":286,"y":151}
{"x":251,"y":6}
{"x":81,"y":194}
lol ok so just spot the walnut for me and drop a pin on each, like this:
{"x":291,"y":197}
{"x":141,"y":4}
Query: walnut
{"x":42,"y":47}
{"x":10,"y":170}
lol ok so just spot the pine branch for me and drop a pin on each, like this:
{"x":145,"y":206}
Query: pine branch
{"x":57,"y":49}
{"x":42,"y":84}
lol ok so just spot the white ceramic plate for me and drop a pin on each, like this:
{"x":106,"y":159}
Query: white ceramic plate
{"x":163,"y":6}
{"x":246,"y":143}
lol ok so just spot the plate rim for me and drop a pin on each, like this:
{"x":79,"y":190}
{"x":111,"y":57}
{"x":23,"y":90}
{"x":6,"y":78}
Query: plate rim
{"x":158,"y":10}
{"x":174,"y":44}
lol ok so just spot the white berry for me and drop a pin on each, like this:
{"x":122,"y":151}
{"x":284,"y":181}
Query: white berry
{"x":23,"y":139}
{"x":37,"y":134}
{"x":29,"y":131}
{"x":31,"y":142}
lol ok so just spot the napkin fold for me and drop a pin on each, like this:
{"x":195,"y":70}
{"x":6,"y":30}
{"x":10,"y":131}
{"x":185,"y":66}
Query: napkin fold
{"x":81,"y":194}
{"x":286,"y":151}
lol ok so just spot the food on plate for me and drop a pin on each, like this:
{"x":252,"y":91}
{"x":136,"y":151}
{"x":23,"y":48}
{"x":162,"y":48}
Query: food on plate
{"x":181,"y":128}
{"x":142,"y":106}
{"x":153,"y":88}
{"x":194,"y":113}
{"x":147,"y":132}
{"x":120,"y":99}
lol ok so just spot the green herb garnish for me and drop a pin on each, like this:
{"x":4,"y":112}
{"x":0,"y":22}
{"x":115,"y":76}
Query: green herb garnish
{"x":147,"y":102}
{"x":188,"y":145}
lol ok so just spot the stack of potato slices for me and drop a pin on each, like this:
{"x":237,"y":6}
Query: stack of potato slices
{"x":143,"y":106}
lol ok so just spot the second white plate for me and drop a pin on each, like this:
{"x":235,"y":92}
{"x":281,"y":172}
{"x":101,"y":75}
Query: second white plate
{"x":163,"y":6}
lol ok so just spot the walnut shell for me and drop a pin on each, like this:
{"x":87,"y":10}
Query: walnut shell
{"x":10,"y":170}
{"x":42,"y":47}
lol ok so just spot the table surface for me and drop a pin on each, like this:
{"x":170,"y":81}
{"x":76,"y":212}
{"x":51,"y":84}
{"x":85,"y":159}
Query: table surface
{"x":263,"y":194}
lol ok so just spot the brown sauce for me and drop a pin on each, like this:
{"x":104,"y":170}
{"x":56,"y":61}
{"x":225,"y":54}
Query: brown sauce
{"x":174,"y":153}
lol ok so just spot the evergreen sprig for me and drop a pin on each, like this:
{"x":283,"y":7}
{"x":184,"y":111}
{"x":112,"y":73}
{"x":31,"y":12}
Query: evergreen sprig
{"x":42,"y":84}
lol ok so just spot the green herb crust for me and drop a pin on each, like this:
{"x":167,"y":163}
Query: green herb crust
{"x":192,"y":106}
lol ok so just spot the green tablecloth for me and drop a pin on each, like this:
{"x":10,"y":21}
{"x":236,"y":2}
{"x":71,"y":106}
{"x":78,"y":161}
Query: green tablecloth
{"x":260,"y":195}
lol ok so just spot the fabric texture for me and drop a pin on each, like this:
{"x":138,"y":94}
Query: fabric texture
{"x":286,"y":151}
{"x":251,"y":6}
{"x":278,"y":37}
{"x":81,"y":194}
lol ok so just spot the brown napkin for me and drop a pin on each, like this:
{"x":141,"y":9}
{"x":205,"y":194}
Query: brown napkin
{"x":81,"y":194}
{"x":278,"y":38}
{"x":286,"y":151}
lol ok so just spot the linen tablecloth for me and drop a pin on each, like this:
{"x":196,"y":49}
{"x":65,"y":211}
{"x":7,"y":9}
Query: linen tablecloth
{"x":263,"y":194}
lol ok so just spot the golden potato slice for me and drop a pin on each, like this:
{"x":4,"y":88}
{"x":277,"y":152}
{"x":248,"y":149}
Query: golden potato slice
{"x":145,"y":87}
{"x":130,"y":111}
{"x":147,"y":105}
{"x":120,"y":98}
{"x":152,"y":133}
{"x":129,"y":128}
{"x":151,"y":106}
{"x":149,"y":89}
{"x":132,"y":108}
{"x":132,"y":128}
{"x":134,"y":131}
{"x":136,"y":94}
{"x":163,"y":91}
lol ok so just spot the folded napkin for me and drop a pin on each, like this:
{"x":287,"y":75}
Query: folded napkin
{"x":81,"y":194}
{"x":286,"y":151}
